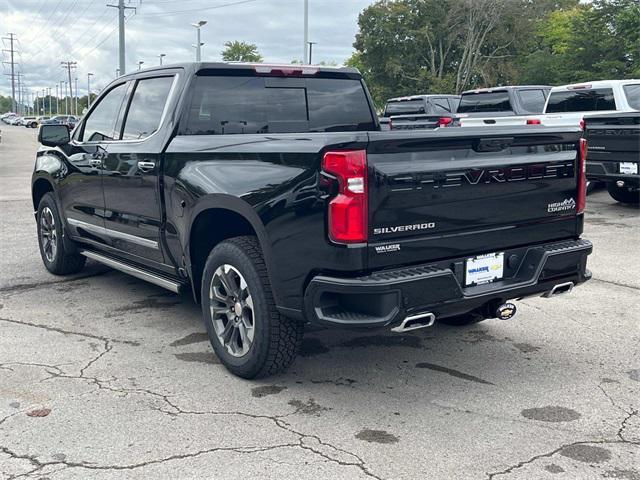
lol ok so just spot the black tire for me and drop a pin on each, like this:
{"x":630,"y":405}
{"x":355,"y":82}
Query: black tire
{"x":623,"y":194}
{"x":276,"y":339}
{"x":57,"y":257}
{"x":462,"y":320}
{"x":33,"y":125}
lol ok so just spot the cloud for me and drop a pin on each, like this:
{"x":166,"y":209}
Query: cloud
{"x":85,"y":31}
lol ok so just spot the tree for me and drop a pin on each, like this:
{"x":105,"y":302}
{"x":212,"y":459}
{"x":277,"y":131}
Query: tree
{"x":241,"y":52}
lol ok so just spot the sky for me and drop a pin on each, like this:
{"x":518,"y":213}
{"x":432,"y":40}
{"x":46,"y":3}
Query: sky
{"x":85,"y":31}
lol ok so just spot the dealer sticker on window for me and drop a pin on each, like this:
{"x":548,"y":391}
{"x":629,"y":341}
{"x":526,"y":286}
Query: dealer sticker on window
{"x":484,"y":268}
{"x":629,"y":168}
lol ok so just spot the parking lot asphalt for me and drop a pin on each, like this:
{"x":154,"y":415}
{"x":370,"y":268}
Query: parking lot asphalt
{"x":103,"y":376}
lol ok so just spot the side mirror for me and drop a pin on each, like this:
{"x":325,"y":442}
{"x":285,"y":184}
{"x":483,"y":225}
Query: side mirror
{"x":54,"y":135}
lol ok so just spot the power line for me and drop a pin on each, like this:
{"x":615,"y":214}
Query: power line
{"x":159,"y":14}
{"x":42,"y":27}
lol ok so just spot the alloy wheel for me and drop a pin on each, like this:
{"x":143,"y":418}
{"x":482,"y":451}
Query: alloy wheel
{"x":48,"y":234}
{"x":231,"y":307}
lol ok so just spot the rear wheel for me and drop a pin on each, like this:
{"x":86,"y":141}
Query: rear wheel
{"x":623,"y":194}
{"x":248,"y":334}
{"x":55,"y":252}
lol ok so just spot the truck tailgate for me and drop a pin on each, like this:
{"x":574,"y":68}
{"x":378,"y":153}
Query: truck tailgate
{"x":613,"y":138}
{"x":453,"y":192}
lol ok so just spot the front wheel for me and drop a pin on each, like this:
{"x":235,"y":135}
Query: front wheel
{"x":55,"y":254}
{"x":248,"y":334}
{"x":623,"y":194}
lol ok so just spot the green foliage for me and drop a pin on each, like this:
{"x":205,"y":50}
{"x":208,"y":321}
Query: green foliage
{"x":241,"y":52}
{"x":5,"y":104}
{"x":446,"y":46}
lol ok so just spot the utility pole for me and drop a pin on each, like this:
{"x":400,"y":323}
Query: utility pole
{"x":11,"y":37}
{"x":121,"y":10}
{"x":89,"y":90}
{"x":57,"y":99}
{"x":117,"y":72}
{"x":44,"y":105}
{"x":306,"y":31}
{"x":161,"y":56}
{"x":198,"y":44}
{"x":66,"y":98}
{"x":49,"y":99}
{"x":311,"y":44}
{"x":75,"y":110}
{"x":19,"y":110}
{"x":69,"y":65}
{"x":61,"y":94}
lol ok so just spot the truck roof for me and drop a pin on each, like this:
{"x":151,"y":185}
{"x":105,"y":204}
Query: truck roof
{"x":259,"y":67}
{"x":503,"y":89}
{"x":594,"y":84}
{"x":421,"y":96}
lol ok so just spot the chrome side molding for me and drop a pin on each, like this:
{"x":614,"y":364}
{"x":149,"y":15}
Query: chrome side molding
{"x":414,"y":322}
{"x":134,"y":271}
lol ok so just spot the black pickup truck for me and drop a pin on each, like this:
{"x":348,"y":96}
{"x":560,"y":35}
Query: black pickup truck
{"x":614,"y":154}
{"x":419,"y":111}
{"x":270,"y":192}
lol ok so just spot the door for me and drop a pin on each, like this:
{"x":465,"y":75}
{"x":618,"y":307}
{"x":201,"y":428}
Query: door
{"x":133,"y":212}
{"x":81,"y":194}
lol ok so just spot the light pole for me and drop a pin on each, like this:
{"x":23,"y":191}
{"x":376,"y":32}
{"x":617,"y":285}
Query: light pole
{"x":89,"y":75}
{"x":44,"y":105}
{"x":306,"y":32}
{"x":161,"y":56}
{"x":66,"y":97}
{"x":57,"y":99}
{"x":117,"y":72}
{"x":311,"y":44}
{"x":140,"y":63}
{"x":198,"y":44}
{"x":49,"y":97}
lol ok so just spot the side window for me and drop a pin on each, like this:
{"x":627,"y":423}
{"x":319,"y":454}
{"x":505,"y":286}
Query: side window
{"x":147,"y":105}
{"x":101,"y":124}
{"x":532,"y":100}
{"x":440,"y":106}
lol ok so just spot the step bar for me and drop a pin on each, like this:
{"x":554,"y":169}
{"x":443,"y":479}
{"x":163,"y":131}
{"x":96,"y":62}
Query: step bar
{"x":158,"y":280}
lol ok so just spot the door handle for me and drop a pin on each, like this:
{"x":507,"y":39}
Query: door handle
{"x":95,"y":162}
{"x":146,"y":166}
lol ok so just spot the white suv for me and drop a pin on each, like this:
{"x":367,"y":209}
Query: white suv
{"x":567,"y":105}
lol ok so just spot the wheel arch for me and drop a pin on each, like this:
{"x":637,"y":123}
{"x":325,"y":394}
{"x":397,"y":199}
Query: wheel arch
{"x":238,"y":217}
{"x":39,"y":188}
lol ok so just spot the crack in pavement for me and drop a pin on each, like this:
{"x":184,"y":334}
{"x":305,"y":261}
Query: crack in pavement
{"x":305,"y":441}
{"x":621,"y":440}
{"x":68,"y":332}
{"x":34,"y":285}
{"x":617,"y":284}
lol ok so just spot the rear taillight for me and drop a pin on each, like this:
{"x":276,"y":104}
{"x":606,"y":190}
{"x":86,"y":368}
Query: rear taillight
{"x":582,"y":177}
{"x":534,"y":121}
{"x":444,"y":121}
{"x":581,"y":124}
{"x":348,"y":213}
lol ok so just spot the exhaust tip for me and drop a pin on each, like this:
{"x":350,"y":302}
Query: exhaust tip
{"x":414,"y":322}
{"x":559,"y":289}
{"x":506,"y":311}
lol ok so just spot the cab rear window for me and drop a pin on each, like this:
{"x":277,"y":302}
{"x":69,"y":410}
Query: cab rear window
{"x":588,"y":100}
{"x":632,"y":92}
{"x":485,"y":102}
{"x":405,"y":107}
{"x":253,"y":104}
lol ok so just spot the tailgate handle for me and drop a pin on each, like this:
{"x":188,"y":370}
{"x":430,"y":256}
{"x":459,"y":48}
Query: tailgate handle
{"x":492,"y":144}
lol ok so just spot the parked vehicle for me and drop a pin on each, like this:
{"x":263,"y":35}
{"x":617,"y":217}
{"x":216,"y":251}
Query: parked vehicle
{"x":614,"y":153}
{"x":502,"y":106}
{"x":69,"y":120}
{"x":28,"y":122}
{"x":419,"y":111}
{"x":15,"y":120}
{"x":270,"y":192}
{"x":568,"y":104}
{"x":5,"y":117}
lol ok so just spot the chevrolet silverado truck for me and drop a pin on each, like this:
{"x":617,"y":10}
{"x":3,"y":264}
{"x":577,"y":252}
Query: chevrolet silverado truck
{"x":419,"y":111}
{"x":614,"y":154}
{"x":501,"y":106}
{"x":270,"y":192}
